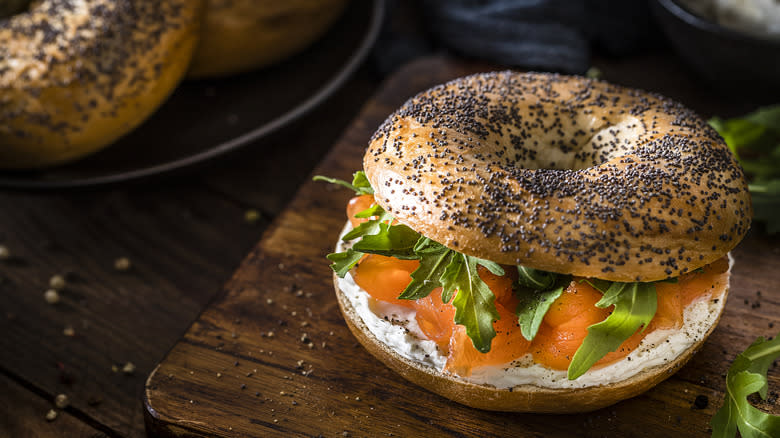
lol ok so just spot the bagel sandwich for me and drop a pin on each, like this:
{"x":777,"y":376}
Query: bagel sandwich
{"x":539,"y":243}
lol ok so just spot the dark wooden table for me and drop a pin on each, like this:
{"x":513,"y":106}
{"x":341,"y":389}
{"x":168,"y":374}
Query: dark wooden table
{"x":184,"y":236}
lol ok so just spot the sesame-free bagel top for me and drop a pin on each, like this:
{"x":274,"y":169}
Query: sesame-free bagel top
{"x":563,"y":174}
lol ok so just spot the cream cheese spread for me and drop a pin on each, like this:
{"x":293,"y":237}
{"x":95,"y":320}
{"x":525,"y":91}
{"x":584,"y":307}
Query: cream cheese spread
{"x":396,"y":327}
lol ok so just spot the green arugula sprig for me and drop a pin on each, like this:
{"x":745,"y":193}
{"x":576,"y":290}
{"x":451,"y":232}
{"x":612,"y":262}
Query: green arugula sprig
{"x":475,"y":308}
{"x":635,"y":305}
{"x":747,"y":375}
{"x":360,"y":183}
{"x":537,"y":290}
{"x":474,"y":303}
{"x":755,"y":140}
{"x":440,"y":266}
{"x":434,"y":260}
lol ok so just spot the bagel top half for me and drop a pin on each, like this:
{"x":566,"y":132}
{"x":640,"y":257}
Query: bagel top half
{"x":563,"y":174}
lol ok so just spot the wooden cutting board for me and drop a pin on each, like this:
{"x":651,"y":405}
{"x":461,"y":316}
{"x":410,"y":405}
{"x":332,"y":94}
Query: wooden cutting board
{"x":271,"y":355}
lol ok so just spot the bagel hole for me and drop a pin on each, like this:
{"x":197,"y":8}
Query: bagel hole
{"x":583,"y":149}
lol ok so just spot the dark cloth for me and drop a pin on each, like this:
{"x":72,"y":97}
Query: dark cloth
{"x":551,"y":35}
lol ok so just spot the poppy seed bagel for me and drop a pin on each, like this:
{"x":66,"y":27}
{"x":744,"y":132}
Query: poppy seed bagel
{"x":75,"y":75}
{"x":561,"y":173}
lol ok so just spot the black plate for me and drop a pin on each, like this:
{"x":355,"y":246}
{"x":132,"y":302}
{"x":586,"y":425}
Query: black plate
{"x":207,"y":118}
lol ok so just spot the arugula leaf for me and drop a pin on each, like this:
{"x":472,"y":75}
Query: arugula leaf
{"x":535,"y":278}
{"x":360,"y":183}
{"x":493,"y":267}
{"x":737,"y":132}
{"x":369,"y":227}
{"x":532,"y":308}
{"x":612,"y":294}
{"x":344,"y":261}
{"x":755,"y":140}
{"x":746,"y":376}
{"x":599,"y":285}
{"x":392,"y":241}
{"x":374,"y":210}
{"x":537,"y":290}
{"x":434,"y":258}
{"x":449,"y":278}
{"x":439,"y":266}
{"x":474,"y":303}
{"x":635,"y":305}
{"x":442,"y":267}
{"x":766,"y":203}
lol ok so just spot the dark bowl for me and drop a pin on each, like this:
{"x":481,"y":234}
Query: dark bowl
{"x":735,"y":63}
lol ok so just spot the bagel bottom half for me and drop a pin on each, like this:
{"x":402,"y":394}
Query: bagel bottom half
{"x":526,"y":397}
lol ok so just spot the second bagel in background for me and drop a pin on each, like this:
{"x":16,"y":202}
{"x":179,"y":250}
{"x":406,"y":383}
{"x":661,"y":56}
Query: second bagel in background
{"x":242,"y":35}
{"x":77,"y":75}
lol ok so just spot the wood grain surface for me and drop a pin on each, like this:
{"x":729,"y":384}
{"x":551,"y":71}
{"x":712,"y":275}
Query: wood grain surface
{"x":25,"y":416}
{"x":184,"y":237}
{"x":271,"y":356}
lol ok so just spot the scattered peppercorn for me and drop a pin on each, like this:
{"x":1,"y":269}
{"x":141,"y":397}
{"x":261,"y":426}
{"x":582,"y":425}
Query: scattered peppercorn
{"x":57,"y":282}
{"x":61,"y":401}
{"x":51,"y":296}
{"x":122,"y":264}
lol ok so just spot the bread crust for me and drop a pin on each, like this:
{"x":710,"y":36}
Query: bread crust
{"x":521,"y":398}
{"x":563,"y":174}
{"x":76,"y":75}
